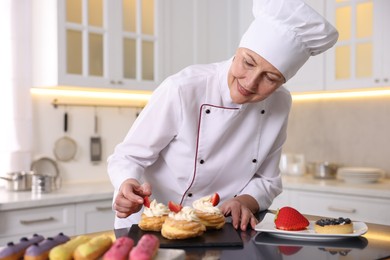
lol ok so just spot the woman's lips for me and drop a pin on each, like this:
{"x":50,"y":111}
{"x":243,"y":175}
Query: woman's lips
{"x":243,"y":91}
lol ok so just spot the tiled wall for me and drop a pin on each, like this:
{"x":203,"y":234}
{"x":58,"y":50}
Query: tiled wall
{"x":113,"y":124}
{"x":353,"y":132}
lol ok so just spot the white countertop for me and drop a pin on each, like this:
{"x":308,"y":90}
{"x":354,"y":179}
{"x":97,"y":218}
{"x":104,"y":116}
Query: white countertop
{"x":68,"y":193}
{"x":84,"y":192}
{"x":380,"y":189}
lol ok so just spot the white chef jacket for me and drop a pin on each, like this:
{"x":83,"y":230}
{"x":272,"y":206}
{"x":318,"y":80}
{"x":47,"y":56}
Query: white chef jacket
{"x":191,"y":141}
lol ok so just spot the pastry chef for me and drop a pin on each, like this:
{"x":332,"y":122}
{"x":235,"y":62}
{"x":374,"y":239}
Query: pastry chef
{"x":221,"y":127}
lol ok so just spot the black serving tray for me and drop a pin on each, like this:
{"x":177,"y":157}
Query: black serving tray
{"x":225,"y":237}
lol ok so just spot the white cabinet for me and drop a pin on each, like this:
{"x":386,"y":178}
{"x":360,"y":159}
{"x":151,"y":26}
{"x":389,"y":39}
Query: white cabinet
{"x":372,"y":210}
{"x":357,"y":208}
{"x":102,"y":43}
{"x":361,"y":57}
{"x":94,"y":216}
{"x":311,"y":77}
{"x":70,"y":219}
{"x":200,"y":31}
{"x":46,"y":221}
{"x":283,"y":199}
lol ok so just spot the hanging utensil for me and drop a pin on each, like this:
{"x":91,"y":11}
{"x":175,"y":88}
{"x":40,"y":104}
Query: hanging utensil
{"x":65,"y":148}
{"x":95,"y":143}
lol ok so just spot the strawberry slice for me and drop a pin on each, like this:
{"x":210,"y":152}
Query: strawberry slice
{"x":174,"y":206}
{"x":289,"y":250}
{"x":215,"y":199}
{"x":146,"y":202}
{"x":288,"y":218}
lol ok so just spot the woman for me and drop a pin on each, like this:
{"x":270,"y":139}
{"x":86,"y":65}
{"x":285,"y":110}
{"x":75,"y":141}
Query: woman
{"x":220,"y":127}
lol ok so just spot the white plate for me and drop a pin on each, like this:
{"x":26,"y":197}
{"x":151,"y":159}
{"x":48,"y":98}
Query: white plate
{"x":359,"y":180}
{"x":171,"y":254}
{"x":268,"y":225}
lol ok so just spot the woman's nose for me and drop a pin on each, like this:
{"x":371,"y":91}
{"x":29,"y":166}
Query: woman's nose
{"x":253,"y":80}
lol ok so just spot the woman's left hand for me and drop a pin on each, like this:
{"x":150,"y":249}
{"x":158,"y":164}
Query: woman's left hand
{"x":238,"y":209}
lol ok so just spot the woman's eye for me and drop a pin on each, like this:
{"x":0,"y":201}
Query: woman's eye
{"x":248,"y":63}
{"x":271,"y":79}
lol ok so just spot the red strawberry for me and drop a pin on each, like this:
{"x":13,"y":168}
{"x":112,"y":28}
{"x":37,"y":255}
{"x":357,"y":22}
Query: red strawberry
{"x":288,"y":218}
{"x":174,"y":207}
{"x":215,"y":199}
{"x":289,"y":250}
{"x":146,"y":202}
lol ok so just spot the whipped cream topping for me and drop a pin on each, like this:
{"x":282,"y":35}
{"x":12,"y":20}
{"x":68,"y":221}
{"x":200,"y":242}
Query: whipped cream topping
{"x":186,"y":213}
{"x":204,"y":205}
{"x":156,"y":209}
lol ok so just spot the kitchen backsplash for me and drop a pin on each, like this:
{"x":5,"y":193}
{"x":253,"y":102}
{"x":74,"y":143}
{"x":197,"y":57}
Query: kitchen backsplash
{"x":113,"y":124}
{"x":353,"y":132}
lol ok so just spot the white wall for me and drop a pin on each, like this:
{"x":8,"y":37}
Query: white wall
{"x":352,"y":132}
{"x":48,"y":127}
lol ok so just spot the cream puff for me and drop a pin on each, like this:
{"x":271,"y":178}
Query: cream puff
{"x":207,"y":212}
{"x":153,"y":216}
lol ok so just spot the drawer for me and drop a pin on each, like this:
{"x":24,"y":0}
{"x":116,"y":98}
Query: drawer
{"x":283,"y":199}
{"x":357,"y":208}
{"x":26,"y":222}
{"x":94,"y":216}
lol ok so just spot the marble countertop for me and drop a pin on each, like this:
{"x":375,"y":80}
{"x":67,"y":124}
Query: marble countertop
{"x":380,"y":189}
{"x":68,"y":193}
{"x":84,"y":192}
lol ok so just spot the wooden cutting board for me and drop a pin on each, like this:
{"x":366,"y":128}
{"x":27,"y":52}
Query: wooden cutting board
{"x":225,"y":237}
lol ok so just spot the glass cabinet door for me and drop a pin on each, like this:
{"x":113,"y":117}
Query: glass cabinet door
{"x":358,"y":57}
{"x":354,"y":50}
{"x":138,"y":39}
{"x":85,"y":37}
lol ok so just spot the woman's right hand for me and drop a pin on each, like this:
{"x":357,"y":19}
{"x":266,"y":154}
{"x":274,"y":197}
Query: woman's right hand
{"x":130,"y":197}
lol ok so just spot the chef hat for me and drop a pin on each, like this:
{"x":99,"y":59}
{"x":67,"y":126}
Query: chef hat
{"x":286,"y":33}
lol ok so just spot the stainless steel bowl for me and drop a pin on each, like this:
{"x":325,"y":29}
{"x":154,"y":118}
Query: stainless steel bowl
{"x":18,"y":181}
{"x":323,"y":170}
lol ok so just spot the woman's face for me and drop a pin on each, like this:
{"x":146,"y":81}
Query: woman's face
{"x":251,"y":78}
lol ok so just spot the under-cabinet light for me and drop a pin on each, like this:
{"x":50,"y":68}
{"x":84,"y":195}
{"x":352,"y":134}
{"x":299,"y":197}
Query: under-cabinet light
{"x":93,"y":93}
{"x":341,"y":94}
{"x":144,"y":96}
{"x":94,"y":97}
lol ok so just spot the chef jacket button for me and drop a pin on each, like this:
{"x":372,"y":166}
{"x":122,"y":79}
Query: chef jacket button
{"x":207,"y":111}
{"x":189,"y":195}
{"x":201,"y":161}
{"x":254,"y":161}
{"x":262,"y":111}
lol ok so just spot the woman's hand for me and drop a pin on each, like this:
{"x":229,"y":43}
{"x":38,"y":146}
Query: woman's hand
{"x":241,"y":210}
{"x":130,"y":197}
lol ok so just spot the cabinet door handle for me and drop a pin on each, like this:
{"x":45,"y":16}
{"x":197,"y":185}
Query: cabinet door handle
{"x":103,"y":208}
{"x":34,"y":221}
{"x":344,"y":210}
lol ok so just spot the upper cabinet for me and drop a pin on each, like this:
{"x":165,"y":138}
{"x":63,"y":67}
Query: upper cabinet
{"x":200,"y":31}
{"x":361,"y":57}
{"x":311,"y":77}
{"x":100,"y":43}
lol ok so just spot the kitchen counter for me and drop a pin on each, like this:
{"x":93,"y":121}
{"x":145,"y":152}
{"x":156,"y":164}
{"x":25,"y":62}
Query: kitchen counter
{"x":372,"y":245}
{"x":84,"y":192}
{"x":68,"y":193}
{"x":380,"y":189}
